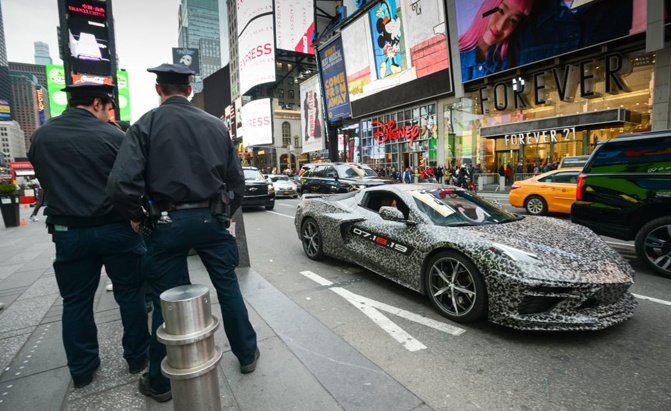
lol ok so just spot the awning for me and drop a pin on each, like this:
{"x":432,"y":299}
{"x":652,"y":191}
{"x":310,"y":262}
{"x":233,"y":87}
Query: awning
{"x":603,"y":118}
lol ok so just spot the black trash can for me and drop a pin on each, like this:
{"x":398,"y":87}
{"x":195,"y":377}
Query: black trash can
{"x":9,"y":206}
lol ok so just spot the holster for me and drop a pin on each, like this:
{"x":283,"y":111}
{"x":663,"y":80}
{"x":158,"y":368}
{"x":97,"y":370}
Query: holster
{"x":220,"y":206}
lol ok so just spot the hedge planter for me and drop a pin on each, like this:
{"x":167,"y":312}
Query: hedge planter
{"x":9,"y":206}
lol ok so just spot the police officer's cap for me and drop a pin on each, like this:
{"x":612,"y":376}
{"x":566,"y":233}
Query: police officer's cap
{"x":88,"y":89}
{"x":172,"y":73}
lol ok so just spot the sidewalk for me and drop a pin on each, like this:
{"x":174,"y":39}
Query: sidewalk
{"x":303,"y":364}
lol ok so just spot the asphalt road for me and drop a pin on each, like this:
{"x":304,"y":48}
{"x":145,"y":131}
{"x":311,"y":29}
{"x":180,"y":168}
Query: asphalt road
{"x":476,"y":366}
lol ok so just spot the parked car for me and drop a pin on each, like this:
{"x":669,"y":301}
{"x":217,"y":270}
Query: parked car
{"x":472,"y":259}
{"x":573,"y":161}
{"x":283,"y":185}
{"x":551,"y":192}
{"x":258,"y":191}
{"x":330,"y":178}
{"x":624,"y":192}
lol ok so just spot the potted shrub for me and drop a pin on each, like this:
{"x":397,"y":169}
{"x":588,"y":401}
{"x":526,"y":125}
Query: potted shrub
{"x":9,"y":203}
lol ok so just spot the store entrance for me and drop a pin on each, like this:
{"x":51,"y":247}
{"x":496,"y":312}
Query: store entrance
{"x":503,"y":158}
{"x":410,"y":160}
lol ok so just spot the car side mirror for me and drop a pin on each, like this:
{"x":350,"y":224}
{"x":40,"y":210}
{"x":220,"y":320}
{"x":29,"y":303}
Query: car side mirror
{"x":391,"y":214}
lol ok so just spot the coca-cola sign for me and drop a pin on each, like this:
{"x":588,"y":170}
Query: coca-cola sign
{"x":389,"y":131}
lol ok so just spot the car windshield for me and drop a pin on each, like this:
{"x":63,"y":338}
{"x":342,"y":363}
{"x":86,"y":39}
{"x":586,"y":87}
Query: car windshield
{"x":354,"y":170}
{"x":253,"y":175}
{"x":450,"y":207}
{"x":276,"y":179}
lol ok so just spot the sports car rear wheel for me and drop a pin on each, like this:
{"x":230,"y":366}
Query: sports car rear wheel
{"x":455,"y":287}
{"x":312,"y":239}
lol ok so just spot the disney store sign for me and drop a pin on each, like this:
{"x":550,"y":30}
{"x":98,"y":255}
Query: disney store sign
{"x":540,"y":137}
{"x":387,"y":132}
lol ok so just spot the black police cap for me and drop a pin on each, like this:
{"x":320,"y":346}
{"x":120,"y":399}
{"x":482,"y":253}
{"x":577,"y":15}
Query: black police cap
{"x":88,"y":89}
{"x":172,"y":73}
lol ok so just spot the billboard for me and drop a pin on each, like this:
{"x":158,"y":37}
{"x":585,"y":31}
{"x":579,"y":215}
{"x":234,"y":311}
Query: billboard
{"x":248,"y":10}
{"x":123,"y":87}
{"x":294,"y":25}
{"x":39,"y":96}
{"x":312,"y":122}
{"x":5,"y":110}
{"x":88,"y":36}
{"x":187,"y":57}
{"x":256,"y":53}
{"x":334,"y":82}
{"x":396,"y":53}
{"x":257,"y":123}
{"x":496,"y":36}
{"x":58,"y":100}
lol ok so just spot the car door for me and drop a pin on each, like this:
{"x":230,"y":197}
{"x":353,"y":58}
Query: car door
{"x":564,"y":186}
{"x":314,"y":182}
{"x":379,"y":244}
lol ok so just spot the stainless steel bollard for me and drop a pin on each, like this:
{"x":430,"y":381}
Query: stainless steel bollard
{"x":192,"y":358}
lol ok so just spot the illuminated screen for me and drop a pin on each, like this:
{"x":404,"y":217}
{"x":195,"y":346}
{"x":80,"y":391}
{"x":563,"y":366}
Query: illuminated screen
{"x":88,"y":37}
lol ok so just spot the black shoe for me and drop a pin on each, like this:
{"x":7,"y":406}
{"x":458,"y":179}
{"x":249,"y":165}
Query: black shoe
{"x":84,"y":381}
{"x":249,"y":368}
{"x":145,"y":388}
{"x":136,"y":369}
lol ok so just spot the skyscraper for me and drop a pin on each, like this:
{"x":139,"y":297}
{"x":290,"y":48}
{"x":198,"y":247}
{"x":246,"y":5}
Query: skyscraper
{"x":5,"y":88}
{"x":199,"y":29}
{"x":25,"y":106}
{"x":40,"y":73}
{"x":42,"y":56}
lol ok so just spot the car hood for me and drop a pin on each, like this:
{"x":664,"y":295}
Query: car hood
{"x":560,"y":250}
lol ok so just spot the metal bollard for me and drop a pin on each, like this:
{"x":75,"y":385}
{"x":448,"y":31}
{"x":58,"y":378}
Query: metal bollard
{"x":192,"y":357}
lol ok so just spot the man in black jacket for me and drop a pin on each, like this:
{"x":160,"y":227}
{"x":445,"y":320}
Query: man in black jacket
{"x":182,"y":163}
{"x":72,"y":155}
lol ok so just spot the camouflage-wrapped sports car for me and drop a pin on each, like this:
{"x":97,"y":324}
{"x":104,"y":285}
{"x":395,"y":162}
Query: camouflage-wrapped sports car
{"x":472,"y":258}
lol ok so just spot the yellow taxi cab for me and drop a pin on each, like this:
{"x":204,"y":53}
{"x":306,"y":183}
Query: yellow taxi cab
{"x":551,"y":192}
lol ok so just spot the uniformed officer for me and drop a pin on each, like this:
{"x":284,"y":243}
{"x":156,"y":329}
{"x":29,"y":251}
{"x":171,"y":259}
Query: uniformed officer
{"x":182,"y":161}
{"x":72,"y":155}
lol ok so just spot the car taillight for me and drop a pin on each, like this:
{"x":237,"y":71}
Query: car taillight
{"x":579,"y":187}
{"x":514,"y":186}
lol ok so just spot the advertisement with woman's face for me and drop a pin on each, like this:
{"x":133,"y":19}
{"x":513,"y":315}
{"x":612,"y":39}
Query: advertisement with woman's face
{"x":497,"y":35}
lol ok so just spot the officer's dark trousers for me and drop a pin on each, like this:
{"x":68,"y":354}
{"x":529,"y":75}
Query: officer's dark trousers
{"x":166,"y":267}
{"x":80,"y":255}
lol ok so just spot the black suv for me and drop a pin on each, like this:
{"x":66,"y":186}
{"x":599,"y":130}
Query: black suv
{"x":258,"y":191}
{"x":329,"y":178}
{"x":624,"y":192}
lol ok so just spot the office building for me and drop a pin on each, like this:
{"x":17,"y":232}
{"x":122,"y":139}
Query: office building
{"x":199,"y":29}
{"x":25,"y":107}
{"x":42,"y":56}
{"x":12,"y":141}
{"x":5,"y":88}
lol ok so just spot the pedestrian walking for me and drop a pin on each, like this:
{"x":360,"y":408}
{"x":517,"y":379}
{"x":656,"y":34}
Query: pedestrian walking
{"x":72,"y":155}
{"x":39,"y":202}
{"x":157,"y":162}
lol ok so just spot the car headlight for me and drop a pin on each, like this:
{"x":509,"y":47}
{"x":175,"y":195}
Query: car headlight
{"x":270,"y":189}
{"x":515,"y":253}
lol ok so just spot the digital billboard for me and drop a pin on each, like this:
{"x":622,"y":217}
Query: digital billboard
{"x":5,"y":110}
{"x":257,"y":123}
{"x":499,"y":35}
{"x":294,"y":25}
{"x":186,"y":57}
{"x":123,"y":87}
{"x":88,"y":36}
{"x":39,"y":95}
{"x":396,"y":53}
{"x":334,"y":81}
{"x":248,"y":10}
{"x":312,"y":121}
{"x":58,"y":100}
{"x":256,"y":53}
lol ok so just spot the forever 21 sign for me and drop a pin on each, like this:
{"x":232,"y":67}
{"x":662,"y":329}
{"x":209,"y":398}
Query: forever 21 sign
{"x":518,"y":93}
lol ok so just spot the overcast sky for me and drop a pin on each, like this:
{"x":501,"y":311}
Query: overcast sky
{"x":145,"y":31}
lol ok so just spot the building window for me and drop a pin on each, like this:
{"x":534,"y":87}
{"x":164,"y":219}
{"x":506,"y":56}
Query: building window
{"x":280,"y":93}
{"x":286,"y":134}
{"x":291,"y":94}
{"x":297,"y":142}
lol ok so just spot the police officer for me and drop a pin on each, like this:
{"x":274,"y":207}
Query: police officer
{"x":182,"y":162}
{"x":73,"y":155}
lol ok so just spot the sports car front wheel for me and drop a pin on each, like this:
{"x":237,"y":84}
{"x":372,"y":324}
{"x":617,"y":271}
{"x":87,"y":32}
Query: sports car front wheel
{"x":455,"y":287}
{"x":312,"y":239}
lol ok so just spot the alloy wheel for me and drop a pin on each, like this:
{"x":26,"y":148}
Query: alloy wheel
{"x":657,"y":247}
{"x":535,"y":206}
{"x":312,"y":240}
{"x":452,"y":286}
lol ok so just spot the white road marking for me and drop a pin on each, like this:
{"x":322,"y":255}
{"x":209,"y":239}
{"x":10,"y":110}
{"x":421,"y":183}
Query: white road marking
{"x":285,"y":205}
{"x":283,"y":215}
{"x":371,"y":309}
{"x":654,"y":300}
